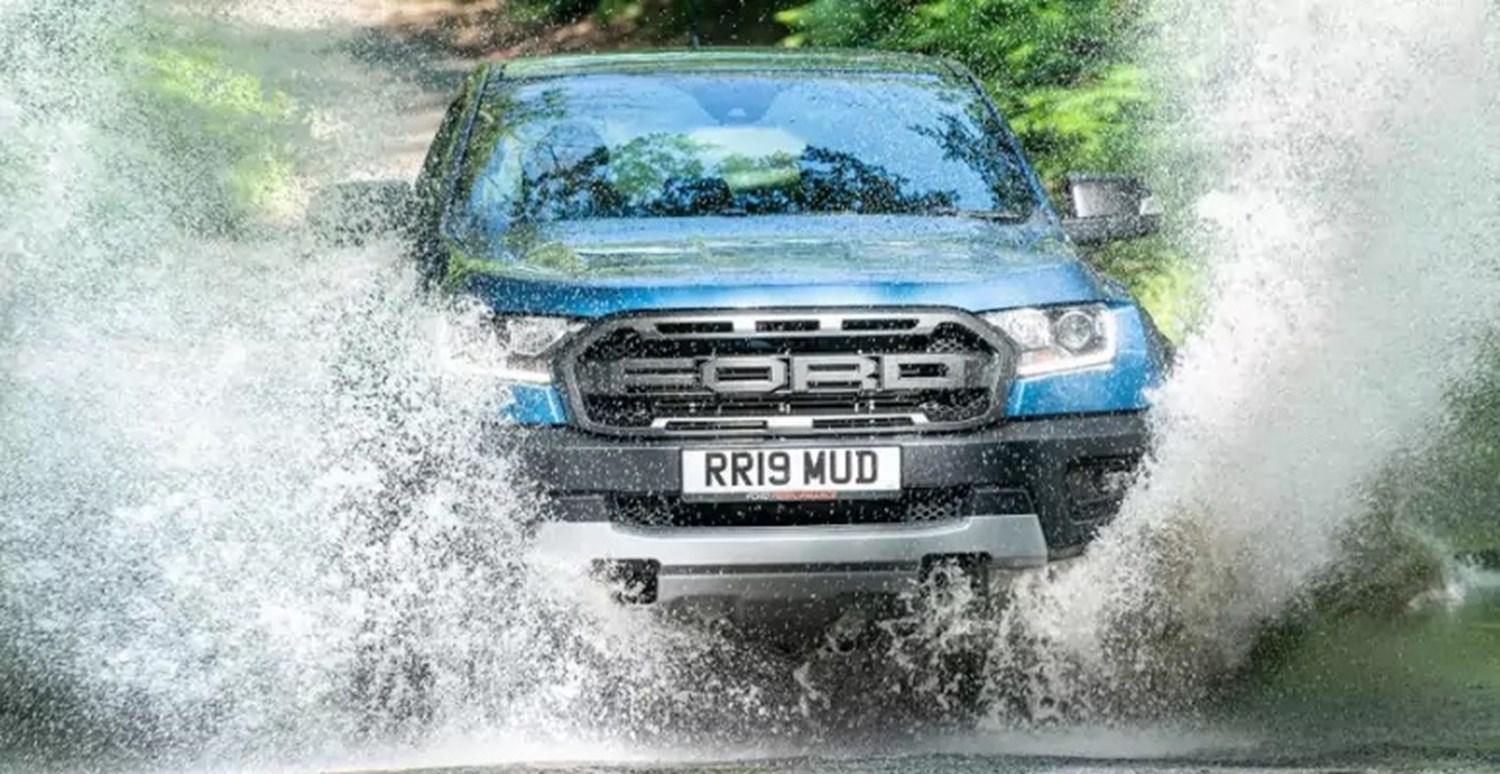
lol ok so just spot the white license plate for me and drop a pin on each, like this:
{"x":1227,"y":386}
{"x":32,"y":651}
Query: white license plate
{"x":790,"y":473}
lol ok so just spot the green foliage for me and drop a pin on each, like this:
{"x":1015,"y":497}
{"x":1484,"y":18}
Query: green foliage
{"x":1087,"y":126}
{"x":230,"y":133}
{"x":1455,"y":491}
{"x":1061,"y":70}
{"x":551,"y":11}
{"x":1161,"y":277}
{"x":842,"y":24}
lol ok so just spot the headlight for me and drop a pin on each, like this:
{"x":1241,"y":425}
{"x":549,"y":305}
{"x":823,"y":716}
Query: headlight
{"x":510,"y":348}
{"x":1059,"y":339}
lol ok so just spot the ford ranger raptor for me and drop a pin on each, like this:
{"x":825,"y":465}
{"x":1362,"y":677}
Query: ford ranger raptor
{"x":786,"y":327}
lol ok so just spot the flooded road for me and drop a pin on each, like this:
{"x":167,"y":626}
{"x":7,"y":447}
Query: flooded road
{"x":1419,"y":691}
{"x":206,"y":412}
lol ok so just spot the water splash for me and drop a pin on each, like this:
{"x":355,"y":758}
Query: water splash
{"x":1349,"y":176}
{"x":251,"y":510}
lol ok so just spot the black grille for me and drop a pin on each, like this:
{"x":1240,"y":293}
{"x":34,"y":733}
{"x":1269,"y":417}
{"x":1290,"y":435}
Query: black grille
{"x":787,"y":372}
{"x":639,"y":411}
{"x":917,"y":505}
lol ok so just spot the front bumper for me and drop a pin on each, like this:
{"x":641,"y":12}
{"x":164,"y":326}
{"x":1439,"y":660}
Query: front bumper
{"x":783,"y":563}
{"x":1023,"y":492}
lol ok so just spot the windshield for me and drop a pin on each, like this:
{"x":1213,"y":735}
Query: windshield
{"x":683,"y":145}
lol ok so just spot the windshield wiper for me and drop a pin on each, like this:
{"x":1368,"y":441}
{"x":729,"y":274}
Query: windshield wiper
{"x":1004,"y":216}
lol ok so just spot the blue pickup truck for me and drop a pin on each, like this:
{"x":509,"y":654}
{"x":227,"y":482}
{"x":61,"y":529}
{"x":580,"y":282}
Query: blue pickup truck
{"x":788,"y":326}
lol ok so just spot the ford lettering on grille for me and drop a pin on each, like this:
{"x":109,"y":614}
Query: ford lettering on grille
{"x":802,"y":373}
{"x":787,"y":372}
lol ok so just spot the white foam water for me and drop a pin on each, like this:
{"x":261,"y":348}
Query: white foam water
{"x":252,"y":509}
{"x":1347,"y":199}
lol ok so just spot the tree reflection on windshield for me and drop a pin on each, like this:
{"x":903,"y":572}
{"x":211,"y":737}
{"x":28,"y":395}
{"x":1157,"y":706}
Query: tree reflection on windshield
{"x":684,"y":145}
{"x":660,"y":184}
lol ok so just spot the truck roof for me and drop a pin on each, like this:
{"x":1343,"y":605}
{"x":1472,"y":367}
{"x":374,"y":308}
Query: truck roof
{"x":729,"y":59}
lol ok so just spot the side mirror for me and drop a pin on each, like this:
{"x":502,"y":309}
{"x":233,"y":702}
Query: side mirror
{"x":355,"y":212}
{"x":1107,"y":208}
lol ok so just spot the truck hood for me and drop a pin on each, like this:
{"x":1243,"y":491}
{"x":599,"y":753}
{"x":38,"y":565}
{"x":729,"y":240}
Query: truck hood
{"x":598,"y":267}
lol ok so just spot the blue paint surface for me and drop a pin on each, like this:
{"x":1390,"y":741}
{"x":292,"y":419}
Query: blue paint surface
{"x":532,"y":404}
{"x":594,"y":266}
{"x":1123,"y":386}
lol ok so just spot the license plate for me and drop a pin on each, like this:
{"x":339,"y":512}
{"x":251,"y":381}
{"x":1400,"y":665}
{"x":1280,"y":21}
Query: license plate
{"x":790,"y":474}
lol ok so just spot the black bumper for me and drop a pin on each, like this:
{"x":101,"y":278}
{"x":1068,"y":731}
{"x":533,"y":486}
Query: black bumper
{"x":1069,"y":471}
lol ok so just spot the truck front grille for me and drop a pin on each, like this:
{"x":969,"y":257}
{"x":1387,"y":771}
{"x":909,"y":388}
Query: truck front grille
{"x":913,"y":506}
{"x":787,"y":372}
